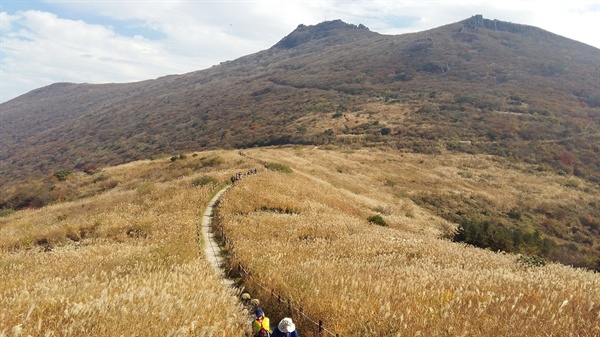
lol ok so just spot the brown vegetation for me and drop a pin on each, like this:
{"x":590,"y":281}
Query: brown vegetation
{"x":126,"y":259}
{"x":524,"y":94}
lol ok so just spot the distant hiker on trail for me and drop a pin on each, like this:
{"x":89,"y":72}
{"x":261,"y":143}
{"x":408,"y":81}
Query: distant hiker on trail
{"x":285,"y":328}
{"x":235,"y":178}
{"x":261,"y":326}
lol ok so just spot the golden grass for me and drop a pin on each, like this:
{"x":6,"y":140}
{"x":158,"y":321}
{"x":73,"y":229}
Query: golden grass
{"x":363,"y":279}
{"x":125,"y":262}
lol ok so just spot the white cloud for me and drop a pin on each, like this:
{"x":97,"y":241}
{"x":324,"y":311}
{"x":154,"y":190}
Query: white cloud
{"x":39,"y":48}
{"x":578,"y":20}
{"x":5,"y":21}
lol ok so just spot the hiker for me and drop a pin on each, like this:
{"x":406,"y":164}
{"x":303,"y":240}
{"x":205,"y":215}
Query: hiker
{"x":261,"y":326}
{"x":285,"y":328}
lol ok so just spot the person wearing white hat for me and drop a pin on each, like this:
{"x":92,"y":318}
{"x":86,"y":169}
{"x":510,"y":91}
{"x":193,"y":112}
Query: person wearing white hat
{"x":285,"y":328}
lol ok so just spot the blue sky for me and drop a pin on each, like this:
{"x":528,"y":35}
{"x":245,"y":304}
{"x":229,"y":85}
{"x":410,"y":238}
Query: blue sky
{"x":107,"y":41}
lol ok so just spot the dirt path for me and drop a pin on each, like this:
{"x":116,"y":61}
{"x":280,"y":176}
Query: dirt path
{"x":214,"y":253}
{"x":212,"y":249}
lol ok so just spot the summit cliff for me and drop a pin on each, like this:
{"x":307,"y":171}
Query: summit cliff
{"x":340,"y":31}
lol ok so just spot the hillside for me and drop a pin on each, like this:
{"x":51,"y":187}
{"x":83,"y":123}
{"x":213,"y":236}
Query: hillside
{"x":123,"y":255}
{"x":475,"y":86}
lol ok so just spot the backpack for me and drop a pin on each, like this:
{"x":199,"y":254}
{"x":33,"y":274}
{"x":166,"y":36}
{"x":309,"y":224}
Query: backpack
{"x":262,"y":332}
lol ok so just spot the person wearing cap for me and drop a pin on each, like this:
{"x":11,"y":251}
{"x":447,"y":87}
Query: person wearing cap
{"x":285,"y":328}
{"x":260,"y":322}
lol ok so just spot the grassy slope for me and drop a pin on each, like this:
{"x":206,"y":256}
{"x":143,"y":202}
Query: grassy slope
{"x":125,"y":260}
{"x":317,"y":248}
{"x":127,"y":250}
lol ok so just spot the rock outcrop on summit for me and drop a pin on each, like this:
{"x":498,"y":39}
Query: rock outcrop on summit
{"x":303,"y":33}
{"x":478,"y":21}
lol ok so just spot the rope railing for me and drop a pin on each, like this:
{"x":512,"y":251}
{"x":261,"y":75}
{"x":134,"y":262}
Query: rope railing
{"x":298,"y":310}
{"x":248,"y":277}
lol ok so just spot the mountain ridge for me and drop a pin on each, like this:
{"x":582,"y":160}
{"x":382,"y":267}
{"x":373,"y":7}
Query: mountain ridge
{"x":335,"y":82}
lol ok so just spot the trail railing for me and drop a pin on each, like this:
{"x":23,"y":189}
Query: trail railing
{"x":247,"y":277}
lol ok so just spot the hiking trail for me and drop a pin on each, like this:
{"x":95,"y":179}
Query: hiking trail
{"x":212,"y":250}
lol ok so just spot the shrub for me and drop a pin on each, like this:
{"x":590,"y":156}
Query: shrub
{"x":32,"y":195}
{"x":492,"y":235}
{"x":279,"y":167}
{"x":485,"y":234}
{"x":145,"y":188}
{"x":589,"y":221}
{"x":6,"y":212}
{"x":211,"y":161}
{"x":515,"y":214}
{"x":390,"y":182}
{"x":378,"y":220}
{"x":107,"y":185}
{"x":531,"y":261}
{"x":90,"y":169}
{"x":62,"y":175}
{"x":204,"y":180}
{"x":574,"y":182}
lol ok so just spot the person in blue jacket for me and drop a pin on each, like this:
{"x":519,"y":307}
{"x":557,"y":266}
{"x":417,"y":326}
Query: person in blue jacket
{"x":285,"y":328}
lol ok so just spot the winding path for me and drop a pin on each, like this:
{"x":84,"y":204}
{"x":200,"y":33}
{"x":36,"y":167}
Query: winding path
{"x":212,"y":250}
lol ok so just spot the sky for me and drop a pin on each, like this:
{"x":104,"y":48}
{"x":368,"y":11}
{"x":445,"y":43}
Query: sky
{"x":117,"y":41}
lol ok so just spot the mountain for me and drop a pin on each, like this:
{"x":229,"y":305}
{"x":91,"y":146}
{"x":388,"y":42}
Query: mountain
{"x":475,"y":86}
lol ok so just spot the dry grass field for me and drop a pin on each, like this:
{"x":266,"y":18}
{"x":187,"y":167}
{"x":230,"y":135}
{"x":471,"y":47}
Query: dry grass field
{"x":122,"y":256}
{"x":318,"y":249}
{"x":125,"y":262}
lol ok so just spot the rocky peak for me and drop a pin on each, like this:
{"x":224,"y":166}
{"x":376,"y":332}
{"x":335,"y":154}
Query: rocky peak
{"x":478,"y":21}
{"x":303,"y":33}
